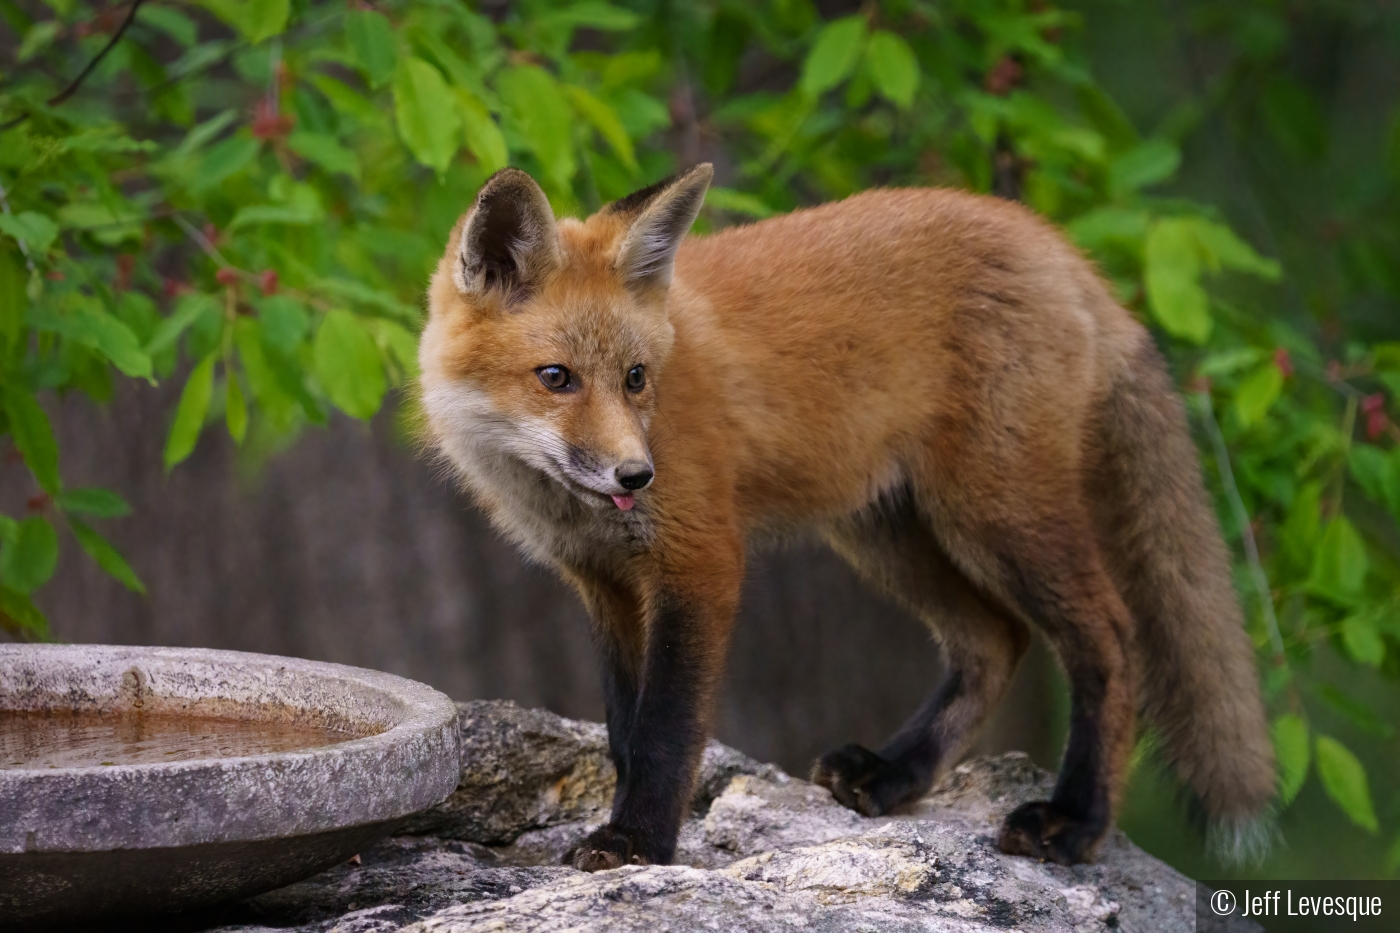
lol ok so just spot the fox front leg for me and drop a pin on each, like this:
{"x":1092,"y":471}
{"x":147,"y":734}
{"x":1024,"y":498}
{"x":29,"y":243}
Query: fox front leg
{"x":657,"y":758}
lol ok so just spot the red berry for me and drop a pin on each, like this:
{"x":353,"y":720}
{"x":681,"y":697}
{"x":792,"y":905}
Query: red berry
{"x":267,"y":281}
{"x":268,"y":124}
{"x":1284,"y":362}
{"x":226,"y":276}
{"x":1376,"y":423}
{"x":1004,"y":76}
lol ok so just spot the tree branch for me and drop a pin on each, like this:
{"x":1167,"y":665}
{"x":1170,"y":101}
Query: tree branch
{"x":77,"y":82}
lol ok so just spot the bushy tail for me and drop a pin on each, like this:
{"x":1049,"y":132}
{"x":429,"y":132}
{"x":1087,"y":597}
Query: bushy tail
{"x":1199,"y":685}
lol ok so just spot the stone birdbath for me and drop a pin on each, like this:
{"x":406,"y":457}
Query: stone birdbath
{"x":148,"y":780}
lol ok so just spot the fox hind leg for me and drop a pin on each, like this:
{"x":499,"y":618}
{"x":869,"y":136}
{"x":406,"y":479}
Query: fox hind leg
{"x":1046,"y":567}
{"x":892,"y":546}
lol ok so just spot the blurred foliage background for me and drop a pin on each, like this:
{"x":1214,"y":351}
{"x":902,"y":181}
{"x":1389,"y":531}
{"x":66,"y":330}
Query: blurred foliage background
{"x":245,"y":198}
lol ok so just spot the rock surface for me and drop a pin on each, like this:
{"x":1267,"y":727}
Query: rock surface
{"x":762,"y":852}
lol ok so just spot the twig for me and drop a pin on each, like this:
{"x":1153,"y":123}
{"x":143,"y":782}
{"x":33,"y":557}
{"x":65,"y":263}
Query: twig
{"x":77,"y":82}
{"x":23,"y":246}
{"x":1251,"y":547}
{"x":203,"y":242}
{"x":1343,"y":388}
{"x":209,"y":249}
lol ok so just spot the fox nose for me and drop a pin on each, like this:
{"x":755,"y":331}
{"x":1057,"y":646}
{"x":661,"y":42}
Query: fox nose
{"x":633,"y":475}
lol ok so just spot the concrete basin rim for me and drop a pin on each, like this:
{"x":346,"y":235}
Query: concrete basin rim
{"x":415,"y":696}
{"x":423,"y":741}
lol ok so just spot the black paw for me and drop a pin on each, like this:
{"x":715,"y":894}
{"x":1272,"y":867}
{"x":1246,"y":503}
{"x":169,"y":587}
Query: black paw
{"x":862,"y":780}
{"x":604,"y":848}
{"x":1042,"y":830}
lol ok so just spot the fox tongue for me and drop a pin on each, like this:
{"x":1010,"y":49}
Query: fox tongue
{"x":623,"y":501}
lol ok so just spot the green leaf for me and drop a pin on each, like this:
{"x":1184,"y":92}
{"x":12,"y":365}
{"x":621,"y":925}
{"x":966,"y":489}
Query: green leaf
{"x":893,"y":68}
{"x":1296,"y":118}
{"x":325,"y":151}
{"x":190,"y":412}
{"x":1344,"y":779}
{"x":87,"y":323}
{"x":14,"y":298}
{"x":1391,"y":483}
{"x":295,"y":214}
{"x":483,"y":136}
{"x":1172,"y":272}
{"x":99,"y":503}
{"x":1144,"y":165}
{"x":1109,"y":225}
{"x":1363,"y":641}
{"x":374,"y":44}
{"x":1257,"y":394}
{"x":256,"y":19}
{"x":33,"y":437}
{"x":27,"y":561}
{"x":188,"y":309}
{"x":1361,"y":715}
{"x":222,"y":161}
{"x":348,"y":102}
{"x":106,"y":556}
{"x":1290,"y":735}
{"x":18,"y":607}
{"x":39,"y":37}
{"x":348,"y":365}
{"x":737,"y":202}
{"x":173,"y":23}
{"x":542,"y":116}
{"x":1215,"y":365}
{"x":605,"y":121}
{"x":266,"y":18}
{"x":1340,"y":563}
{"x":263,"y":382}
{"x":1223,"y":249}
{"x":833,"y":56}
{"x":426,"y":112}
{"x":1377,"y":472}
{"x":1368,"y":466}
{"x":285,"y":322}
{"x":1299,"y":532}
{"x":196,"y":138}
{"x":594,"y":14}
{"x":359,"y":292}
{"x":1386,"y":355}
{"x":235,"y":408}
{"x":398,"y":343}
{"x":1392,"y":858}
{"x":38,"y":231}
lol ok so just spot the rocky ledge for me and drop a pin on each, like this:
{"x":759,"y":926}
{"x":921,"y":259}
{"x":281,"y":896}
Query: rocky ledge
{"x":762,"y":851}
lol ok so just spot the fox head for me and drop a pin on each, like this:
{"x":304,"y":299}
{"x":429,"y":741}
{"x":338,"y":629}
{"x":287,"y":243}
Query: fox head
{"x":546,"y":340}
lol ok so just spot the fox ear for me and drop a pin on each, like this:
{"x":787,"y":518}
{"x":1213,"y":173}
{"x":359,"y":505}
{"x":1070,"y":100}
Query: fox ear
{"x":664,"y":214}
{"x":509,"y":242}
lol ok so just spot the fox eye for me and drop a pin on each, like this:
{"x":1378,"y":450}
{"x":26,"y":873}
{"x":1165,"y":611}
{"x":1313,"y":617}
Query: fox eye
{"x":636,"y":378}
{"x":555,"y":378}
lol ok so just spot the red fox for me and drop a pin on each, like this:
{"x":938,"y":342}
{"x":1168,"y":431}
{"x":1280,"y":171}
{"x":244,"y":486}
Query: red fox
{"x":939,"y":385}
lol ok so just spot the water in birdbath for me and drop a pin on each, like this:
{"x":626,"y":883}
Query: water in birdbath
{"x":64,"y":739}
